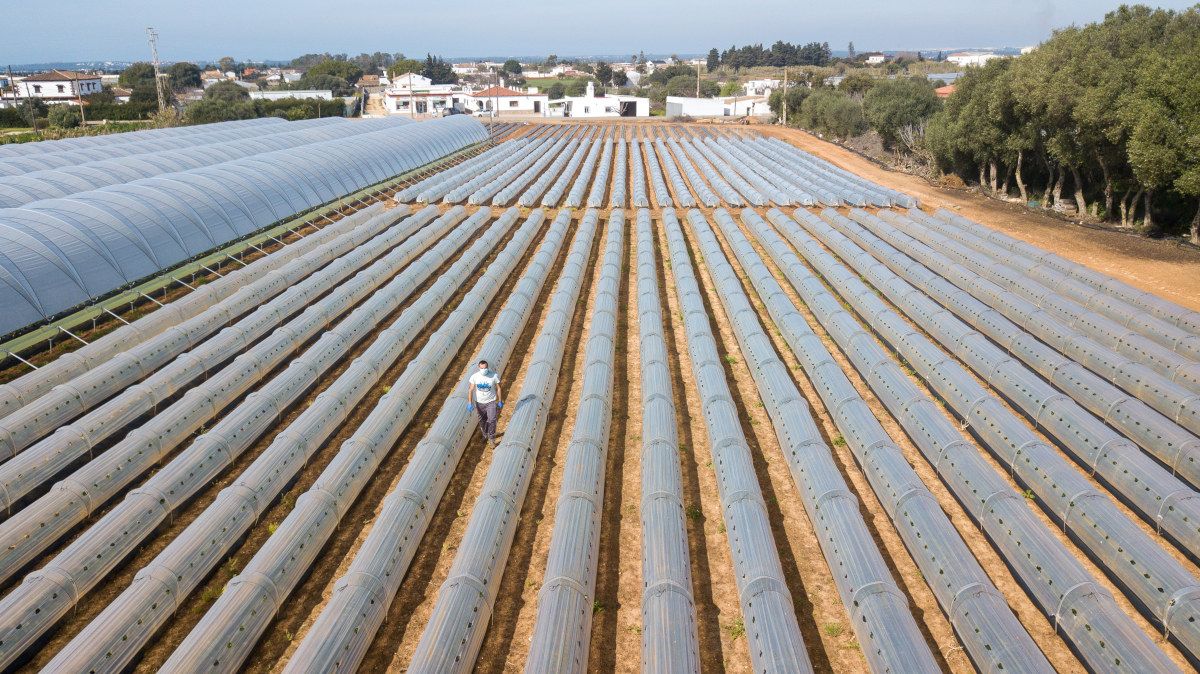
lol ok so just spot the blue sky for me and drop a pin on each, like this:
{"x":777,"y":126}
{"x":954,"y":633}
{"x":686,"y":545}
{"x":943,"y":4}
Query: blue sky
{"x":69,"y":30}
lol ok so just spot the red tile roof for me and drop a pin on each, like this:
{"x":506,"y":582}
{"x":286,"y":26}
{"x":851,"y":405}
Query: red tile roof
{"x":59,"y":76}
{"x":944,"y":92}
{"x":503,"y":92}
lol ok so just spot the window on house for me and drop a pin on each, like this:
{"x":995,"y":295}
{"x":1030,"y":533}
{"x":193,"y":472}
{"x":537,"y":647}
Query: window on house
{"x":37,"y":88}
{"x":586,"y":109}
{"x":512,"y":104}
{"x":61,"y":88}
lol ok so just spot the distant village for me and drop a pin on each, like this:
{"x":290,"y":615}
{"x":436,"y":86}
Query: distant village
{"x":484,"y":89}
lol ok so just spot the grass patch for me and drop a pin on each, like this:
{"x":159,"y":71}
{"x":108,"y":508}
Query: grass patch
{"x":833,"y":629}
{"x":736,"y":629}
{"x":839,"y":441}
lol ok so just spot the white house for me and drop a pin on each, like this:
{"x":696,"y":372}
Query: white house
{"x":876,"y":59}
{"x":591,"y":105}
{"x":761,"y":87}
{"x":503,"y":101}
{"x":275,"y":95}
{"x":59,"y":86}
{"x":417,"y":96}
{"x":966,"y":59}
{"x":732,"y":106}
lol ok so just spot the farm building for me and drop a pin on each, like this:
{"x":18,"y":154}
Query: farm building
{"x":591,"y":106}
{"x":729,"y":106}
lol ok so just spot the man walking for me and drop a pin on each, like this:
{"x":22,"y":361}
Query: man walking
{"x":483,"y":394}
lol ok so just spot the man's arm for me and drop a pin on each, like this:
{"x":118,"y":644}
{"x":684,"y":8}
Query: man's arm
{"x":499,"y":396}
{"x":470,"y":401}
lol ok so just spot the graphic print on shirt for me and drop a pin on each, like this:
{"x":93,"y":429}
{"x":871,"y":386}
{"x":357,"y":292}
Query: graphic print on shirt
{"x":485,"y":386}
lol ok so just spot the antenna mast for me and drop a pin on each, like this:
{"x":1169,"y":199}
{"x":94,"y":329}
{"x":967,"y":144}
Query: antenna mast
{"x":153,"y":38}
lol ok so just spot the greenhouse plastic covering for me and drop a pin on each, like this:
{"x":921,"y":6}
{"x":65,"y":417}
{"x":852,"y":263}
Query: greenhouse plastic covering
{"x":111,"y":641}
{"x":890,"y":637}
{"x":230,"y":628}
{"x":1082,"y":610}
{"x":118,"y":139}
{"x":344,"y":630}
{"x":58,"y":254}
{"x":766,"y":603}
{"x":669,"y":640}
{"x":80,"y":171}
{"x":991,"y":634}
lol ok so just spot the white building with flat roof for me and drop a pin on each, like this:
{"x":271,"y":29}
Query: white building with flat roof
{"x":605,"y":105}
{"x":275,"y":95}
{"x":731,"y":106}
{"x":501,"y":101}
{"x":761,"y":87}
{"x":966,"y":59}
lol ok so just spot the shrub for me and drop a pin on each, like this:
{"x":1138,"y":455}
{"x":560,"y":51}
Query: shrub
{"x":63,"y":117}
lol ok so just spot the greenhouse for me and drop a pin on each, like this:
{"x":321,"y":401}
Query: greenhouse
{"x":56,"y":254}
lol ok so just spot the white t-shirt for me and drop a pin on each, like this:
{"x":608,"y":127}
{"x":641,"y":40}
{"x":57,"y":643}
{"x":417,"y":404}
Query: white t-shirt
{"x":485,"y":383}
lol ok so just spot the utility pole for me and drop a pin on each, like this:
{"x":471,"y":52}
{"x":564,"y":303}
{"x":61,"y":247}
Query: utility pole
{"x":783,"y":96}
{"x":153,"y":38}
{"x":79,"y":101}
{"x":697,"y":79}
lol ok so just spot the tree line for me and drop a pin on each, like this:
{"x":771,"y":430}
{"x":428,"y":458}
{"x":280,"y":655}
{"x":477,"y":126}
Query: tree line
{"x":778,"y":55}
{"x":1101,"y":120}
{"x":1104,"y":118}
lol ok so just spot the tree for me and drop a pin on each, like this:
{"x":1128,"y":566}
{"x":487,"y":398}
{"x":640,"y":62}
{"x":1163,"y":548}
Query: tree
{"x":714,"y":59}
{"x":620,"y":78}
{"x":209,"y":110}
{"x":685,"y":85}
{"x":226,"y":64}
{"x":834,"y":114}
{"x":794,"y":97}
{"x":893,"y":105}
{"x":850,"y":51}
{"x":226,"y":91}
{"x":551,"y":62}
{"x":137,"y":73}
{"x":346,"y":70}
{"x":403,"y":66}
{"x":857,"y":83}
{"x":438,"y":70}
{"x":577,"y":87}
{"x":604,"y":73}
{"x":183,"y":75}
{"x":511,"y":67}
{"x":333,"y":83}
{"x":556,"y":91}
{"x":63,"y":117}
{"x":1164,"y":146}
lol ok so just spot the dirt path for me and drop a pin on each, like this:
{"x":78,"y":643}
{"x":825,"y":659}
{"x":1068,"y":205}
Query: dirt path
{"x":1167,"y":268}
